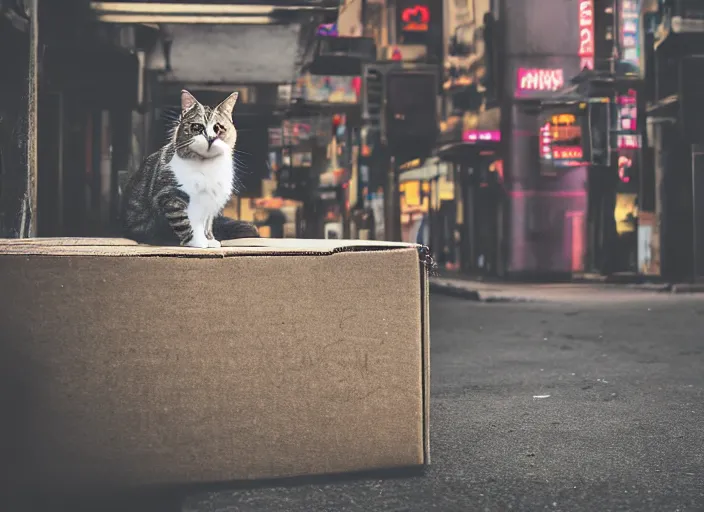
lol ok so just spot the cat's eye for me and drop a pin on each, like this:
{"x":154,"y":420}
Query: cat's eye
{"x":218,"y":129}
{"x":197,"y":128}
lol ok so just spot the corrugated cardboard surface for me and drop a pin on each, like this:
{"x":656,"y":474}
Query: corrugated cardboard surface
{"x":124,"y":365}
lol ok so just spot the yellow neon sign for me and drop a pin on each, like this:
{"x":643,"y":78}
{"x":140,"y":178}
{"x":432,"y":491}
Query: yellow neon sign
{"x":563,"y":119}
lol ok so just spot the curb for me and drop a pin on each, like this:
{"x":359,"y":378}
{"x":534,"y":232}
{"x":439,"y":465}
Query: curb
{"x":461,"y":292}
{"x":474,"y":295}
{"x":455,"y":291}
{"x":649,"y":287}
{"x":683,"y":288}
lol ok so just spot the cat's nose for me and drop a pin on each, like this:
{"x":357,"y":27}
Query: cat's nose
{"x":210,"y":141}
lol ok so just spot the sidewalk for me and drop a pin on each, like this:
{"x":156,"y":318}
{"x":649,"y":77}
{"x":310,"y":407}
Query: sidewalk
{"x":583,"y":288}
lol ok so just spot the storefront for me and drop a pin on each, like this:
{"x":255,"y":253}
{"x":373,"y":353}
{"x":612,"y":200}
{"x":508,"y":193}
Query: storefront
{"x":427,"y":198}
{"x":479,"y":197}
{"x":675,"y":131}
{"x":332,"y":160}
{"x":470,"y":140}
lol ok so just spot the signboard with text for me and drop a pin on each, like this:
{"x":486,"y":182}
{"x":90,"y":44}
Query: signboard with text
{"x":586,"y":34}
{"x":630,"y":32}
{"x":538,"y":80}
{"x":481,"y":136}
{"x":627,"y":135}
{"x":322,"y":89}
{"x":561,"y":140}
{"x":420,"y":22}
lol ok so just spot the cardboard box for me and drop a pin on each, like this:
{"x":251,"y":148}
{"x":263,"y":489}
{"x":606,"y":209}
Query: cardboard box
{"x":124,"y":365}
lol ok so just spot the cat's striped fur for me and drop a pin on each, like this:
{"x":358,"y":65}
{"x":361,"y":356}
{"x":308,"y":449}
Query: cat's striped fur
{"x":177,"y":195}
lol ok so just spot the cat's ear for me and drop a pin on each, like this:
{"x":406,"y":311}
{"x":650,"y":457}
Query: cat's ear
{"x":187,"y":100}
{"x":227,"y":106}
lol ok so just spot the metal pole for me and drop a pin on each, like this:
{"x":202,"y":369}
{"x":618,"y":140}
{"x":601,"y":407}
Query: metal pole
{"x":697,"y":152}
{"x":60,"y":166}
{"x":389,"y":200}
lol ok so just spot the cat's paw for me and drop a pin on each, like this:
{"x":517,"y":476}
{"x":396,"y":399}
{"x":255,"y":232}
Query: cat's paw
{"x":198,"y":243}
{"x":214,"y":244}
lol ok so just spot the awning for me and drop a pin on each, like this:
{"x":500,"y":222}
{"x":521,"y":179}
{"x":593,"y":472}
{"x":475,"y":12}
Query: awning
{"x":593,"y":84}
{"x":431,"y":169}
{"x":666,"y":109}
{"x":487,"y":129}
{"x":468,"y":143}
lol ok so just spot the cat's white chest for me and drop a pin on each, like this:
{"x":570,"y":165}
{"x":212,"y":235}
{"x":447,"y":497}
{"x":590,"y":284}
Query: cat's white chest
{"x":208,"y":183}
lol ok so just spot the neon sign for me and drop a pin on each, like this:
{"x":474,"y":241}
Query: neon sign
{"x":628,"y":141}
{"x":563,"y":119}
{"x":545,"y":142}
{"x":415,"y":19}
{"x":327,"y":30}
{"x":628,"y":111}
{"x":630,"y":31}
{"x":561,"y":141}
{"x":481,"y":136}
{"x":567,"y":153}
{"x":627,"y":114}
{"x":586,"y":34}
{"x":540,"y":80}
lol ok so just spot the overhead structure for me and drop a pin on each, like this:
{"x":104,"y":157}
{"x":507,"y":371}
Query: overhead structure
{"x":270,"y":13}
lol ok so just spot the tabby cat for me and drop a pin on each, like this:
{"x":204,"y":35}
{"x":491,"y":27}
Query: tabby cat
{"x":178,"y":193}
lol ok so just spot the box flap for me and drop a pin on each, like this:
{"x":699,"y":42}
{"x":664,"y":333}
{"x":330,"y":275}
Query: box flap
{"x":240,"y":247}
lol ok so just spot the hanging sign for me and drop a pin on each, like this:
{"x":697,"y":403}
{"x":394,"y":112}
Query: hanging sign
{"x":481,"y":136}
{"x":586,"y":34}
{"x":630,"y":31}
{"x":627,"y":136}
{"x":415,"y":18}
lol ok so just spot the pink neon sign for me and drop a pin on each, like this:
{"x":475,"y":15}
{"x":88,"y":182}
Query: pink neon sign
{"x":586,"y":34}
{"x":481,"y":136}
{"x":545,"y":142}
{"x":540,"y":80}
{"x":628,"y":141}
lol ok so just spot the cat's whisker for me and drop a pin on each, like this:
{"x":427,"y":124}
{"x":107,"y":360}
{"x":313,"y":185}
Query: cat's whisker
{"x":241,"y":166}
{"x":183,"y":144}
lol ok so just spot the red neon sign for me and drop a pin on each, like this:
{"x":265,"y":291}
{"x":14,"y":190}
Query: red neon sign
{"x":542,"y":80}
{"x":586,"y":34}
{"x":416,"y":18}
{"x":567,"y":153}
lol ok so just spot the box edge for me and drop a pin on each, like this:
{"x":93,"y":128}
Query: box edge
{"x":425,"y":357}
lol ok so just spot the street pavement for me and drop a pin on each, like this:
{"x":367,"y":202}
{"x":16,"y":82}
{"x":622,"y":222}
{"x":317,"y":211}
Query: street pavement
{"x":553,"y":292}
{"x":582,"y":399}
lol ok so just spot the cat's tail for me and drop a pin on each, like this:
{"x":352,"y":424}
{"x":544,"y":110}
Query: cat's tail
{"x":225,"y":228}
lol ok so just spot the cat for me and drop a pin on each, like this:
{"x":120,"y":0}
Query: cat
{"x":177,"y":195}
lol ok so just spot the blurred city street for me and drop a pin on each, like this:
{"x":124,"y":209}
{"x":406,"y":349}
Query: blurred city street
{"x":582,"y":405}
{"x":344,"y":148}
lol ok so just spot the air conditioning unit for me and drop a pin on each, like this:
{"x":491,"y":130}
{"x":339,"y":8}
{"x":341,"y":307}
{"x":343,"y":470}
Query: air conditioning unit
{"x":342,"y":56}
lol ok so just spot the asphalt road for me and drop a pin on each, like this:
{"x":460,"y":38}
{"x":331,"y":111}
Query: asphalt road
{"x":586,"y":399}
{"x":620,"y":425}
